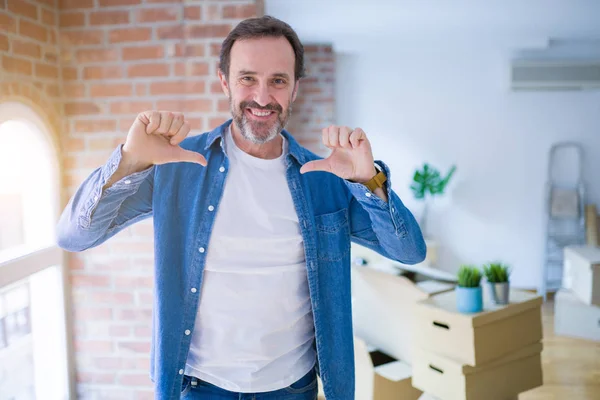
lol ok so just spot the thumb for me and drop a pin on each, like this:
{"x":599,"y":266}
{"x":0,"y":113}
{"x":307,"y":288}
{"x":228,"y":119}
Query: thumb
{"x":182,"y":155}
{"x":317,"y":165}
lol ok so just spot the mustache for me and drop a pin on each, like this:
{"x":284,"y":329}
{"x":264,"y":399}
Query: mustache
{"x":268,"y":107}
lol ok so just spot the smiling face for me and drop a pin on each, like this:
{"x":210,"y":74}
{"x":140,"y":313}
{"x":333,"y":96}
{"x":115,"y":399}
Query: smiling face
{"x":261,"y":86}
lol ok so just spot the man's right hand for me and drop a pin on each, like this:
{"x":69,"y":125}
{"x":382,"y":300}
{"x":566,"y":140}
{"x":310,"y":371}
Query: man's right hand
{"x":154,"y":138}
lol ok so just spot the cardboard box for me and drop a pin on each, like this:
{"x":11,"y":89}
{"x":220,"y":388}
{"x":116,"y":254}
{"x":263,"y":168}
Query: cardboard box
{"x":502,"y":379}
{"x":380,"y":376}
{"x":574,"y":318}
{"x":479,"y":338}
{"x":383,"y":309}
{"x":581,"y":273}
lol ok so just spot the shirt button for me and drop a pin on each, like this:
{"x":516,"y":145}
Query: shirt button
{"x":201,"y":249}
{"x":127,"y":182}
{"x":95,"y":198}
{"x":187,"y":332}
{"x":211,"y":208}
{"x":368,"y":194}
{"x":180,"y":372}
{"x":222,"y":169}
{"x":194,"y":290}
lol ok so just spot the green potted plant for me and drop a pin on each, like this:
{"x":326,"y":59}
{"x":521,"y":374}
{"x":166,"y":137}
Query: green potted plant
{"x":469,"y":297}
{"x":427,"y":184}
{"x":497,"y":274}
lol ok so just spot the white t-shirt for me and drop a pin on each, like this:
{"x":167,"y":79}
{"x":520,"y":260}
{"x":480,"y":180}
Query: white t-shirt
{"x":254,"y":329}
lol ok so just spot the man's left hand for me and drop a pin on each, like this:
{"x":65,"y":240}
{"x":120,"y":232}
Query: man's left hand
{"x":351,"y":157}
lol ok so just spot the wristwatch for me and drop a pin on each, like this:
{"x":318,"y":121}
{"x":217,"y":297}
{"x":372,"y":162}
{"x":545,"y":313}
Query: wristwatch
{"x":377,"y":181}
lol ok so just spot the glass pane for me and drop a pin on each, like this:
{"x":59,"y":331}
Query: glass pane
{"x":32,"y":341}
{"x":26,"y":187}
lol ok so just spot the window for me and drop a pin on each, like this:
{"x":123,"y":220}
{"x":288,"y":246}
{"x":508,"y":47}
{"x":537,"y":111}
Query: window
{"x":34,"y":361}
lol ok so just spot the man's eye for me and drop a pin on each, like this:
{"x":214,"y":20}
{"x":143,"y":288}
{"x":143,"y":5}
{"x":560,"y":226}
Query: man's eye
{"x":247,"y":79}
{"x":279,"y":81}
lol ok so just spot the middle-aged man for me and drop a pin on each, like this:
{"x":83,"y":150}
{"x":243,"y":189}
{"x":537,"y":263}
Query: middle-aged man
{"x":252,"y":232}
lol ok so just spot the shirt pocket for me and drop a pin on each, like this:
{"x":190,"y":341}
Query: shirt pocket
{"x":333,"y":235}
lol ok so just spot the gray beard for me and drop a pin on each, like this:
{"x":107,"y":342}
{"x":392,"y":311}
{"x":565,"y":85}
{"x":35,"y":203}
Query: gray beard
{"x":246,"y":126}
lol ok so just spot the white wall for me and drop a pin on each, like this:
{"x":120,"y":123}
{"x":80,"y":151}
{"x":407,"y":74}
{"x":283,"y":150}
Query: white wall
{"x":449,"y":103}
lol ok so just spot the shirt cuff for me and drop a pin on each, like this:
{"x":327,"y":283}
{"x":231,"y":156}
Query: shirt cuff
{"x":126,"y":183}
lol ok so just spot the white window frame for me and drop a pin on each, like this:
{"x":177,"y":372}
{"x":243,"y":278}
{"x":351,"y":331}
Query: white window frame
{"x":23,"y":263}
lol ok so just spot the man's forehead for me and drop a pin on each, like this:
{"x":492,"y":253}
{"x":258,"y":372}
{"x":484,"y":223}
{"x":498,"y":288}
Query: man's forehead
{"x":262,"y":56}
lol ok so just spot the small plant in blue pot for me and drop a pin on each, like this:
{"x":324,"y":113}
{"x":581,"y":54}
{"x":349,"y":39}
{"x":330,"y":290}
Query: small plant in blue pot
{"x":469,"y":296}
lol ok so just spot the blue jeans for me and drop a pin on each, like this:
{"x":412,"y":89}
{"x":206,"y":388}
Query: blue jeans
{"x":306,"y":388}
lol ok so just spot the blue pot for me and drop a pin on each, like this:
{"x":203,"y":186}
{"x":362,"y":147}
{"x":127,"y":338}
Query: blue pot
{"x":469,"y":300}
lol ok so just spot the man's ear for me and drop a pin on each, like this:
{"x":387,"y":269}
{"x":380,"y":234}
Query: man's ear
{"x":295,"y":92}
{"x":224,"y":83}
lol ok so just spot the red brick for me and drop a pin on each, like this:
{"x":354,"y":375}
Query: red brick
{"x":185,"y":105}
{"x":17,"y":65}
{"x":192,"y":12}
{"x":95,"y":125}
{"x":69,"y":73}
{"x":209,"y":31}
{"x":103,"y":72}
{"x":111,"y":297}
{"x":157,"y":14}
{"x":141,"y":89}
{"x":143,"y":331}
{"x":101,"y":143}
{"x":90,"y":280}
{"x":111,"y":363}
{"x":240,"y":11}
{"x":109,"y":17}
{"x":170,"y":32}
{"x":111,"y":3}
{"x":130,"y":107}
{"x":46,"y":71}
{"x":216,"y":88}
{"x":49,"y":3}
{"x":52,"y":90}
{"x":81,"y":108}
{"x":49,"y":17}
{"x":50,"y":56}
{"x":223,"y":105}
{"x":81,"y":37}
{"x":8,"y":23}
{"x":165,"y":1}
{"x":2,"y":4}
{"x":190,"y":50}
{"x":33,"y":30}
{"x":144,"y":395}
{"x":148,"y":70}
{"x":4,"y":46}
{"x":136,"y":347}
{"x":22,"y":8}
{"x":191,"y":69}
{"x":93,"y":313}
{"x":177,"y":87}
{"x":85,"y":56}
{"x":130,"y":35}
{"x":71,"y":19}
{"x":215,"y":49}
{"x":215,"y":122}
{"x":141,"y":53}
{"x":134,"y":379}
{"x":96,"y":377}
{"x":71,"y":4}
{"x":213,"y":13}
{"x":109,"y":90}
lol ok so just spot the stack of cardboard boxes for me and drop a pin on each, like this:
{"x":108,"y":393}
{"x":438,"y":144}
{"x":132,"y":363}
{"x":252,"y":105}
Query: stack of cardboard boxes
{"x":577,"y":304}
{"x":492,"y":355}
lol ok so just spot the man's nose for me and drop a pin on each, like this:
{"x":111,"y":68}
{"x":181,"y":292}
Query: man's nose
{"x":262,"y":96}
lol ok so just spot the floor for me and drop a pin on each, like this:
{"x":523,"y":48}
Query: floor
{"x":571,"y":366}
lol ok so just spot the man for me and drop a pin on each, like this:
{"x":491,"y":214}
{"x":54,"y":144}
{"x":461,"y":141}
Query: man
{"x":252,"y":232}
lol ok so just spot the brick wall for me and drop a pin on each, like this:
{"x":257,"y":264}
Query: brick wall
{"x":314,"y":108}
{"x":91,"y":66}
{"x":29,"y":57}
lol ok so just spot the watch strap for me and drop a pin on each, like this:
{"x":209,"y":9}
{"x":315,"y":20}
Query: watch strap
{"x":377,"y":181}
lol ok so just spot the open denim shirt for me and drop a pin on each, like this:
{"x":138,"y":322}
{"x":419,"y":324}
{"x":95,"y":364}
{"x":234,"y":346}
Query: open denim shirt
{"x":332,"y":213}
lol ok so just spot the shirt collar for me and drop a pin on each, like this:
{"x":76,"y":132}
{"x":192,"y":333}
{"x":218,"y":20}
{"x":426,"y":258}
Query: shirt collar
{"x":294,"y":148}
